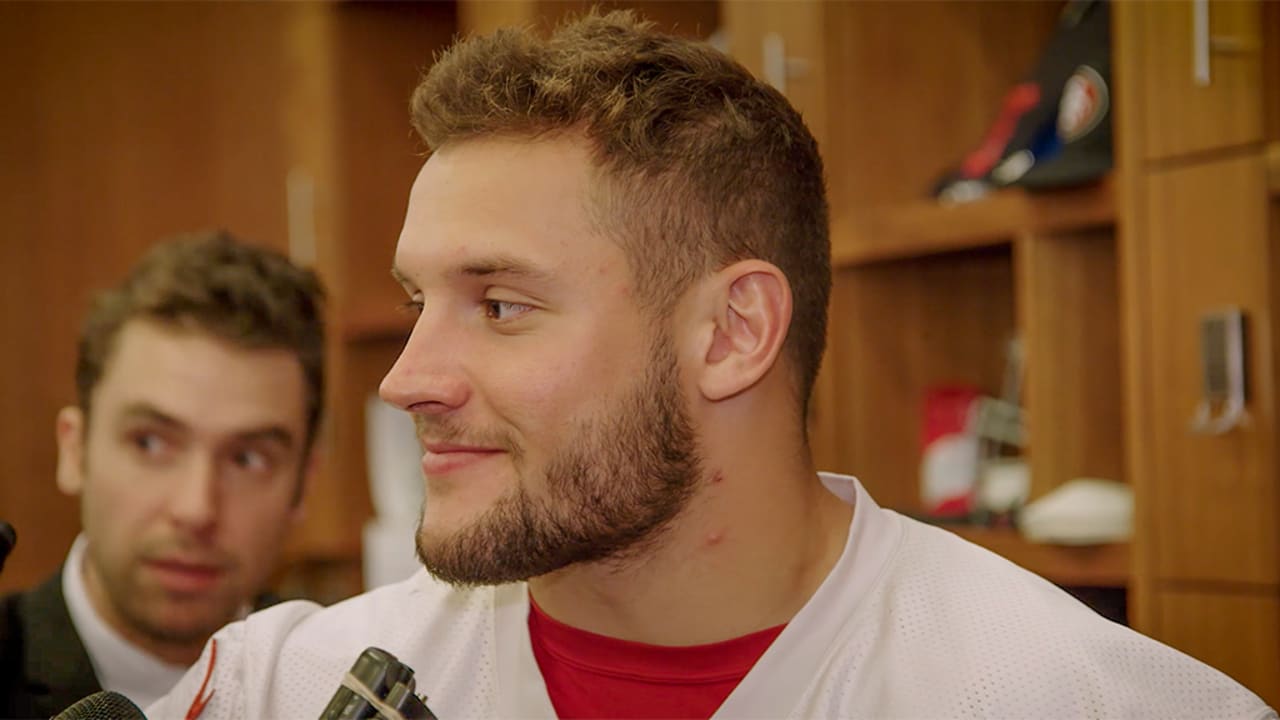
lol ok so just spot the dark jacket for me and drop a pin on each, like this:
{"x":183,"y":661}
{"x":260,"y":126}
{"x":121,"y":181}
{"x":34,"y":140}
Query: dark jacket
{"x":44,"y":667}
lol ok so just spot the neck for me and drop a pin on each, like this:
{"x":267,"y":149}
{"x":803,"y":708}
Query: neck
{"x":176,"y":653}
{"x":753,"y":545}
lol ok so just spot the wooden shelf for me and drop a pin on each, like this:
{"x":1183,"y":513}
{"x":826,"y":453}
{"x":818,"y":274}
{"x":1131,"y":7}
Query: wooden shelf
{"x":375,"y":324}
{"x":927,"y":227}
{"x":1080,"y":566}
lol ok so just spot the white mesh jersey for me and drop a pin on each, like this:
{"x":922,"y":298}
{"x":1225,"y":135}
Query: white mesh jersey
{"x":913,"y":622}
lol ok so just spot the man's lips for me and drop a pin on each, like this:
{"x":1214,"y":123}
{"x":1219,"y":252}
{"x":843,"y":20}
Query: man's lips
{"x":442,"y":458}
{"x":186,"y":576}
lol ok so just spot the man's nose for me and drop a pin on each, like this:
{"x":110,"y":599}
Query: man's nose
{"x":427,"y":377}
{"x":194,"y":503}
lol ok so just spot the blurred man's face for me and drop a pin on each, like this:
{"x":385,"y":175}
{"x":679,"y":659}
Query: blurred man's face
{"x":187,"y":472}
{"x":549,"y":405}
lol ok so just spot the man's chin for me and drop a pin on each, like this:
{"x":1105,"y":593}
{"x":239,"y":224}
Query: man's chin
{"x":185,"y":632}
{"x":464,"y":566}
{"x":186,"y":624}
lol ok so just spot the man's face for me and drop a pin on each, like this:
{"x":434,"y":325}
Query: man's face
{"x":548,"y":404}
{"x":187,"y":471}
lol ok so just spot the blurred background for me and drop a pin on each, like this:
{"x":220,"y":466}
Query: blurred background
{"x":1113,"y":326}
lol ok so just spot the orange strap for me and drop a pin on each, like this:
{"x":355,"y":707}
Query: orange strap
{"x":197,"y":705}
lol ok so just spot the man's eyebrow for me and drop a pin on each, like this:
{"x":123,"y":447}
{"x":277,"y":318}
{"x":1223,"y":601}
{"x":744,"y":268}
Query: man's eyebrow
{"x":503,"y":265}
{"x":150,"y":413}
{"x":146,"y":412}
{"x":272,"y":433}
{"x":486,"y":267}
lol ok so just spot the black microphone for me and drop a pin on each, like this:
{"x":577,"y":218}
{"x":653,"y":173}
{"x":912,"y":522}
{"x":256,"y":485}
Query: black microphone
{"x":378,"y":687}
{"x":103,"y":705}
{"x":8,"y":538}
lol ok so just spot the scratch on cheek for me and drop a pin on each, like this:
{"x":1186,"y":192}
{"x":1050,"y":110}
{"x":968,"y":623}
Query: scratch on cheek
{"x":715,"y":538}
{"x":716,"y":478}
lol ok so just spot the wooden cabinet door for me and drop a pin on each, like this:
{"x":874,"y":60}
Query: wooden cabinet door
{"x":1237,"y":633}
{"x":1212,"y":499}
{"x":1200,"y":63}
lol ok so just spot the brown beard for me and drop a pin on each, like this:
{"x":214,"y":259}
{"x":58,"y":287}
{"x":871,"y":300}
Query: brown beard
{"x":609,"y":494}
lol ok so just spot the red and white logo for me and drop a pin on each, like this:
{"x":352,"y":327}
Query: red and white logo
{"x":1083,"y":105}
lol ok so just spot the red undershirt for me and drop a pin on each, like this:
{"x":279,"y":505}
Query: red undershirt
{"x":594,"y":676}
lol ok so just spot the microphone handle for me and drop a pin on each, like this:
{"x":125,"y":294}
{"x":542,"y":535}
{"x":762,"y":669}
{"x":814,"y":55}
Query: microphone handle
{"x":411,"y":706}
{"x":388,"y":680}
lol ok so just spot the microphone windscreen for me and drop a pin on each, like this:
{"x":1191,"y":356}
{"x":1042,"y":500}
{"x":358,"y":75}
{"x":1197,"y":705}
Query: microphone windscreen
{"x":104,"y":705}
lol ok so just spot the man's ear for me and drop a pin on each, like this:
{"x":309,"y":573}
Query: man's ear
{"x":70,"y":429}
{"x":751,"y":306}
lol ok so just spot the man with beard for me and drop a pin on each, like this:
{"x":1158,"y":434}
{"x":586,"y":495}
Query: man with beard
{"x":619,"y":258}
{"x":199,"y":383}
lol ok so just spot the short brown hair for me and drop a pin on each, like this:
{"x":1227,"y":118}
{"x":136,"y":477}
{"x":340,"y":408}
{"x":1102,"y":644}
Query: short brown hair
{"x":214,"y":283}
{"x":701,"y":164}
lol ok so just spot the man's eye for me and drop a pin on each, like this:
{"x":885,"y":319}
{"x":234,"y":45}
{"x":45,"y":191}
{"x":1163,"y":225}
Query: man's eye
{"x":413,"y":307}
{"x":148,"y":443}
{"x":251,"y":460}
{"x":503,"y":310}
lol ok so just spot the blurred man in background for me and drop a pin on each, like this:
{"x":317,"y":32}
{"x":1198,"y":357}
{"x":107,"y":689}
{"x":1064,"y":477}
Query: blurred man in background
{"x":200,"y":386}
